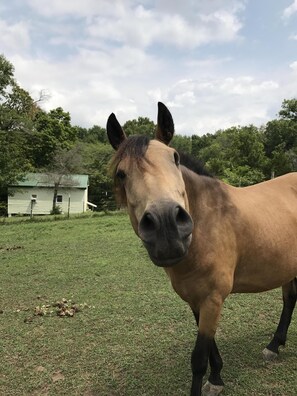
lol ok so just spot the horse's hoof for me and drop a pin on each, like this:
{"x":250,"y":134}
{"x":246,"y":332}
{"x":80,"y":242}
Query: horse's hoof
{"x":211,"y":390}
{"x":268,"y":355}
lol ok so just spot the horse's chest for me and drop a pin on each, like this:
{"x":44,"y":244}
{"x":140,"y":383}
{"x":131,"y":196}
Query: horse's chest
{"x":191,"y":288}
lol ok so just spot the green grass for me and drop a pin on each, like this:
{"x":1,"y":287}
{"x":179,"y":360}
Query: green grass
{"x":135,"y":336}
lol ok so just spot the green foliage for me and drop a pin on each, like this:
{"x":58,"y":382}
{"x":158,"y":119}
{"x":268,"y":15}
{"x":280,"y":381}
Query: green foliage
{"x":6,"y":74}
{"x":182,"y":144}
{"x":242,"y":176}
{"x":236,"y":155}
{"x":201,"y":142}
{"x":96,"y":159}
{"x":52,"y":131}
{"x":280,"y":132}
{"x":56,"y":210}
{"x":97,"y":134}
{"x":17,"y":110}
{"x":289,"y":109}
{"x":92,"y":135}
{"x":281,"y":139}
{"x":141,"y":126}
{"x":283,"y":161}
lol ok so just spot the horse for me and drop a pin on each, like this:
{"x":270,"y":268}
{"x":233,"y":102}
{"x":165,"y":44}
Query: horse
{"x":211,"y":238}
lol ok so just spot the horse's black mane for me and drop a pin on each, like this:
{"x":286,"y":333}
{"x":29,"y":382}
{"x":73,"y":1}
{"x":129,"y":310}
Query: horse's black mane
{"x":136,"y":146}
{"x":193,"y":164}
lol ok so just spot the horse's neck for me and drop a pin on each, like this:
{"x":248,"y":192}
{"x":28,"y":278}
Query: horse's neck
{"x":205,"y":193}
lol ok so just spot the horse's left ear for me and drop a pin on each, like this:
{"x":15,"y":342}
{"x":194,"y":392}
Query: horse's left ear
{"x":165,"y":126}
{"x":115,"y":132}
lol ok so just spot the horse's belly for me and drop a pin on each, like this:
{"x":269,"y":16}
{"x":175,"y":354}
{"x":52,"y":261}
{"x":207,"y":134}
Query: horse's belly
{"x":258,"y":276}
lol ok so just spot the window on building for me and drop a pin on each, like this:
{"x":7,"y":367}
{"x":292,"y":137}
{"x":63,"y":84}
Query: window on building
{"x":59,"y":198}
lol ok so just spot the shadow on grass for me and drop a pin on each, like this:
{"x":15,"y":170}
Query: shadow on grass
{"x":168,"y":372}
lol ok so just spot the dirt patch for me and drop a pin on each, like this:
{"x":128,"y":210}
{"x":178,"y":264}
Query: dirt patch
{"x":10,"y":248}
{"x":63,"y":308}
{"x":58,"y":376}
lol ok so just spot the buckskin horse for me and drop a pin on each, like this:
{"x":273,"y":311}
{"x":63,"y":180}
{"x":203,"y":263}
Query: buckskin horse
{"x":212,"y":239}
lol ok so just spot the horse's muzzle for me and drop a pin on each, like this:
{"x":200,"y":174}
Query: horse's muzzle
{"x":166,"y":232}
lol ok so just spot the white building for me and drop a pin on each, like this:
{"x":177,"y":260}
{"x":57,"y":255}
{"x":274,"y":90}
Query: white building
{"x":35,"y":194}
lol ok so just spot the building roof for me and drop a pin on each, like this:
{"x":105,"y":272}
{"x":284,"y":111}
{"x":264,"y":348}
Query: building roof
{"x":49,"y":179}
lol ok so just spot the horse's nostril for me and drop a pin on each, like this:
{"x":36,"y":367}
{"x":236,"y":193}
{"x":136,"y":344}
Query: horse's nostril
{"x":181,"y":216}
{"x":147,"y":223}
{"x":183,"y":221}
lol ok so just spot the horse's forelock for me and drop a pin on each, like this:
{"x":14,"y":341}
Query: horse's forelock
{"x":133,"y":147}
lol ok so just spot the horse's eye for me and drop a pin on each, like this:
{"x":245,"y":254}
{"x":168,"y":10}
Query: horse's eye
{"x":176,"y":158}
{"x":120,"y":174}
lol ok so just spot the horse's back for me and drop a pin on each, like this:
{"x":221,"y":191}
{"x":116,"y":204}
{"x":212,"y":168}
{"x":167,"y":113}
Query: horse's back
{"x":272,"y":196}
{"x":287,"y":181}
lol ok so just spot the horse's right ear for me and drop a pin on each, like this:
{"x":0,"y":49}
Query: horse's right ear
{"x":115,"y":132}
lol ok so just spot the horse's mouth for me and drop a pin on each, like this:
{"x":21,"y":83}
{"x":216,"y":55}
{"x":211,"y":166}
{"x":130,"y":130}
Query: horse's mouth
{"x":170,"y":262}
{"x":166,"y":258}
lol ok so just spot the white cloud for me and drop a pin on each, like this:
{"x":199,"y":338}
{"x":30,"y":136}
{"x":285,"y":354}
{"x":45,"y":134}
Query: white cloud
{"x":143,"y":27}
{"x":123,"y":56}
{"x":128,"y":22}
{"x":77,"y":8}
{"x":91,"y":84}
{"x":212,"y":104}
{"x":293,"y":66}
{"x":14,"y":37}
{"x":195,"y":7}
{"x":97,"y":84}
{"x":289,"y":11}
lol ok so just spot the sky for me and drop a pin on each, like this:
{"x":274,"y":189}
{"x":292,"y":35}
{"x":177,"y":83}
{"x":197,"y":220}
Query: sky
{"x":214,"y":63}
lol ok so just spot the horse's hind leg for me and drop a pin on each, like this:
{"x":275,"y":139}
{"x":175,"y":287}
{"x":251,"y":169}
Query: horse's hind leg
{"x":280,"y":336}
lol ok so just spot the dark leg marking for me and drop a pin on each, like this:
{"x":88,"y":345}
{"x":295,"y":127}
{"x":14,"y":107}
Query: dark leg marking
{"x":216,"y":365}
{"x":199,"y":362}
{"x":215,"y":360}
{"x":289,"y":302}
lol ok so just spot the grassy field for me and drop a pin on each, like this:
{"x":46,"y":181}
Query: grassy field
{"x":132,"y":334}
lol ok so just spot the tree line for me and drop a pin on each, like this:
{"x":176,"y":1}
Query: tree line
{"x":33,"y":140}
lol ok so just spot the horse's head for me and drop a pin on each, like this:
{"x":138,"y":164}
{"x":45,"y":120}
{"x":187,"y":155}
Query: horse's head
{"x":149,"y":181}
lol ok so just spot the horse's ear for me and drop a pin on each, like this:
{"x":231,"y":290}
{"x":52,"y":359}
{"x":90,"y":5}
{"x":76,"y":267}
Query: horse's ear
{"x":115,"y":132}
{"x":165,"y":126}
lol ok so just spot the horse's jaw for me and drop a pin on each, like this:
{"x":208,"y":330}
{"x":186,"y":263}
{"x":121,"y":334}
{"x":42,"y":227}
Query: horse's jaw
{"x":175,"y":254}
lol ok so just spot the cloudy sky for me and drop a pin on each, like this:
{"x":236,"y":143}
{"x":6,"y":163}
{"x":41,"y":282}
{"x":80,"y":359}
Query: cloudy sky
{"x":215,"y":63}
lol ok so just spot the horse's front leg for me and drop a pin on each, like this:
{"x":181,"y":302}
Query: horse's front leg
{"x":215,"y":382}
{"x":205,"y":349}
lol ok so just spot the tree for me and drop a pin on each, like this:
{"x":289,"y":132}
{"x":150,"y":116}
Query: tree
{"x":52,"y":132}
{"x":96,"y":158}
{"x":17,"y":111}
{"x":201,"y":142}
{"x":6,"y":75}
{"x":281,"y":139}
{"x":182,"y":144}
{"x":289,"y":110}
{"x":141,"y":126}
{"x":59,"y":172}
{"x":97,"y":134}
{"x":81,"y":132}
{"x":236,"y":155}
{"x":279,"y":132}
